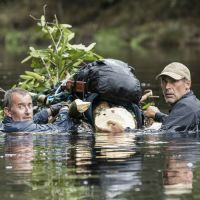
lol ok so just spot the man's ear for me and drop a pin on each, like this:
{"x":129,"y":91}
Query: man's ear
{"x":188,"y":84}
{"x":7,"y":112}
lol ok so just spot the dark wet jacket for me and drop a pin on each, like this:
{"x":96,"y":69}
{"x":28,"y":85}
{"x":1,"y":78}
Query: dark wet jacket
{"x":183,"y":116}
{"x":40,"y":123}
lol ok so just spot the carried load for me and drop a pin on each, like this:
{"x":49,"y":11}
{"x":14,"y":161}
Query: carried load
{"x":112,"y":79}
{"x":109,"y":80}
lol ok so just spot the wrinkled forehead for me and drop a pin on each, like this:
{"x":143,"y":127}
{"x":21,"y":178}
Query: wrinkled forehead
{"x":20,"y":97}
{"x":20,"y":94}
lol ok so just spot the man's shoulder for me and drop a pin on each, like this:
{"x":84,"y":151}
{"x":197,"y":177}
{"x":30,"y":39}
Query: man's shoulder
{"x":191,"y":98}
{"x":190,"y":101}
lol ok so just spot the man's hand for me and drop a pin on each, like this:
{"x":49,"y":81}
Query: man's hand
{"x":55,"y":108}
{"x":151,"y":111}
{"x":112,"y":127}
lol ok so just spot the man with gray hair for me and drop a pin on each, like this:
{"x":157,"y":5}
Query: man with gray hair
{"x":18,"y":111}
{"x":184,"y":114}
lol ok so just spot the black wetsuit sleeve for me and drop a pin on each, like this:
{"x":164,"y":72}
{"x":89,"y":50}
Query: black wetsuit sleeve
{"x":41,"y":117}
{"x":160,"y":117}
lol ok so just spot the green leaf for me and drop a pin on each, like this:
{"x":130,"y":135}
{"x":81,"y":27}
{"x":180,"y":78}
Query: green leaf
{"x":147,"y":105}
{"x":79,"y":46}
{"x":65,"y":55}
{"x":71,"y":36}
{"x":42,"y":21}
{"x":26,"y":59}
{"x":90,"y":47}
{"x":39,"y":53}
{"x":31,"y":49}
{"x":65,"y":25}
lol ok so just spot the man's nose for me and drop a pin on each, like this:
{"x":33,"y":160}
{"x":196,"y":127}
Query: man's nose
{"x":168,"y":85}
{"x":27,"y":109}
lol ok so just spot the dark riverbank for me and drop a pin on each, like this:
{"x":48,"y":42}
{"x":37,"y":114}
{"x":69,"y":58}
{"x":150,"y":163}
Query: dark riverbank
{"x":110,"y":23}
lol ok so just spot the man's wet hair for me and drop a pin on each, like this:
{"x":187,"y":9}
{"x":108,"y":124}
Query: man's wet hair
{"x":7,"y":102}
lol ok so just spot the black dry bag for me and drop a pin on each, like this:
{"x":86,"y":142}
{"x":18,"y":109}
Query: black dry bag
{"x":112,"y":79}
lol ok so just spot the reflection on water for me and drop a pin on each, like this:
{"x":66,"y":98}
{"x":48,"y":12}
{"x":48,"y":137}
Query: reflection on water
{"x":115,"y":146}
{"x":99,"y":166}
{"x":177,"y":177}
{"x":19,"y":154}
{"x":118,"y":162}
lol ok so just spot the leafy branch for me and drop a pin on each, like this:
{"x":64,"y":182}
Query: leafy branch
{"x":58,"y":61}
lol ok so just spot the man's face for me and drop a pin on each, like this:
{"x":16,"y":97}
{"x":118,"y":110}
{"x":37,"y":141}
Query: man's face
{"x":173,"y":89}
{"x":21,"y":109}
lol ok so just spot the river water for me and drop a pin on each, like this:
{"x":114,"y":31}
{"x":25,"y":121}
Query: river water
{"x":136,"y":165}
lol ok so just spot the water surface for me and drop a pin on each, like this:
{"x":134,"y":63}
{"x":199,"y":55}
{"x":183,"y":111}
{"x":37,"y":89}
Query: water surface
{"x":99,"y":166}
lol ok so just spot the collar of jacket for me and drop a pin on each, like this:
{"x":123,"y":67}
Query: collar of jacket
{"x":190,"y":93}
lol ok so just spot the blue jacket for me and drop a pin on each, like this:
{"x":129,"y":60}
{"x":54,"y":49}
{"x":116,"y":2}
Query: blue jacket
{"x":40,"y":123}
{"x":183,"y":116}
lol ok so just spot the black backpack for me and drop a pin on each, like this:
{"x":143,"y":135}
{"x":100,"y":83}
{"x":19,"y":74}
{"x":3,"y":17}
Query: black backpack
{"x":112,"y":79}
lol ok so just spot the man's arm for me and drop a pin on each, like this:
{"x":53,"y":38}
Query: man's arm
{"x":154,"y":113}
{"x":42,"y":116}
{"x":160,"y":117}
